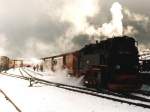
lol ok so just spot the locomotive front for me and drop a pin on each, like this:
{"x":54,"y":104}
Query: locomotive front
{"x":111,"y":64}
{"x":123,"y":64}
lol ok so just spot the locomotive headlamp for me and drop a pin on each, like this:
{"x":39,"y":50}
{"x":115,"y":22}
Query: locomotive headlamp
{"x":87,"y":62}
{"x":86,"y":82}
{"x":117,"y":66}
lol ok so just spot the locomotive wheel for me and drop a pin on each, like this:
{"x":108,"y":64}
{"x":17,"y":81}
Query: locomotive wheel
{"x":102,"y":80}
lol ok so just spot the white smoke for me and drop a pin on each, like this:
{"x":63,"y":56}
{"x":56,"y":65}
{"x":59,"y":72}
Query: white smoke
{"x":34,"y":47}
{"x":139,"y":19}
{"x":57,"y":23}
{"x":3,"y":43}
{"x":130,"y":31}
{"x":60,"y":75}
{"x":78,"y":13}
{"x":139,"y":22}
{"x":132,"y":16}
{"x":115,"y":26}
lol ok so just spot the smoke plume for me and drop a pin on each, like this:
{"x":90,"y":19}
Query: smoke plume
{"x":117,"y":19}
{"x":82,"y":27}
{"x":41,"y":28}
{"x":115,"y":27}
{"x":3,"y":43}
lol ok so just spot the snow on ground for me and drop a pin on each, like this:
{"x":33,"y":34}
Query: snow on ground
{"x":5,"y":106}
{"x":41,"y":98}
{"x":61,"y":76}
{"x":14,"y":71}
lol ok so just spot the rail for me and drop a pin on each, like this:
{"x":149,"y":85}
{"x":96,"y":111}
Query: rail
{"x":7,"y":98}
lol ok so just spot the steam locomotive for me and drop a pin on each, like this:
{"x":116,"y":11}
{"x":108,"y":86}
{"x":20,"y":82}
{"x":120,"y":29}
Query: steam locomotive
{"x":112,"y":64}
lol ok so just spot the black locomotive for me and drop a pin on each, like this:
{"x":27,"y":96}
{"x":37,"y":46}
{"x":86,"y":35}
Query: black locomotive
{"x":111,"y":63}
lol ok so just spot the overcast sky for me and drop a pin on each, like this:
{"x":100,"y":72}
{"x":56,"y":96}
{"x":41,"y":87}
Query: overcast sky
{"x":39,"y":28}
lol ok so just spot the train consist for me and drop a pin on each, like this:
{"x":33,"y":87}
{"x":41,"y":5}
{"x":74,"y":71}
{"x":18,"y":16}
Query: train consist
{"x":4,"y":63}
{"x":7,"y":63}
{"x":112,"y":63}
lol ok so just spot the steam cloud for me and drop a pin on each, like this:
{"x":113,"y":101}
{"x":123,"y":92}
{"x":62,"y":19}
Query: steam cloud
{"x":115,"y":27}
{"x":39,"y":28}
{"x":138,"y":26}
{"x":3,"y":43}
{"x":81,"y":25}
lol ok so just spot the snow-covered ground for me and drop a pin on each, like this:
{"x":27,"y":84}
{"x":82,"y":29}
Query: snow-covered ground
{"x":42,"y":98}
{"x":60,"y":76}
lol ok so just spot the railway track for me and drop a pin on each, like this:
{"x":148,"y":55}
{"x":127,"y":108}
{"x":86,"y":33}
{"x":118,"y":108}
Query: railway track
{"x":145,"y":93}
{"x":122,"y":98}
{"x":8,"y":99}
{"x":140,"y":92}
